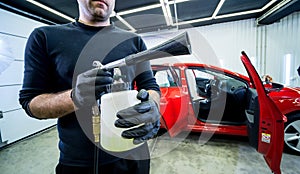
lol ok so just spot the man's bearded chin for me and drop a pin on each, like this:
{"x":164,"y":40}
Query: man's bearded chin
{"x":100,"y":16}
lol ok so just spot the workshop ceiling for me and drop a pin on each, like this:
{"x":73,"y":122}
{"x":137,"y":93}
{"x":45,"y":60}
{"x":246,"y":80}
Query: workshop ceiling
{"x":143,"y":16}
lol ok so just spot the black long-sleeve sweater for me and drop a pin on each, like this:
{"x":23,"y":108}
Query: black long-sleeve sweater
{"x":55,"y":55}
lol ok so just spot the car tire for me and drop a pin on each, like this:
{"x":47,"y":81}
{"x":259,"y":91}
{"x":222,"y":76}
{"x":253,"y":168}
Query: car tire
{"x":292,"y":134}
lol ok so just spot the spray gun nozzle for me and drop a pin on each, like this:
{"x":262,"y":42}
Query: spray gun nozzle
{"x":97,"y":64}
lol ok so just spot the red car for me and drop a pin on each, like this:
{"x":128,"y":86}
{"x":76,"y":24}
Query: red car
{"x":204,"y":98}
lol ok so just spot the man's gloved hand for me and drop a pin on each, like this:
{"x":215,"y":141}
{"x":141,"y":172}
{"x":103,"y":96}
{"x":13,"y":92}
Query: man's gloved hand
{"x":146,"y":113}
{"x":90,"y":85}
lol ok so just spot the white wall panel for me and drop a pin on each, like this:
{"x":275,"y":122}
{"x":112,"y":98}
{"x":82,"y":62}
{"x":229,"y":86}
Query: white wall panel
{"x":17,"y":25}
{"x":282,"y":43}
{"x":16,"y":125}
{"x":13,"y":74}
{"x":219,"y":44}
{"x":9,"y":97}
{"x":15,"y":44}
{"x":229,"y":39}
{"x":267,"y":46}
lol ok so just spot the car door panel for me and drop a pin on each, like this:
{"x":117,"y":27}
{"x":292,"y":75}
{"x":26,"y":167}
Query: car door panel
{"x":174,"y":109}
{"x":252,"y":115}
{"x":268,"y":129}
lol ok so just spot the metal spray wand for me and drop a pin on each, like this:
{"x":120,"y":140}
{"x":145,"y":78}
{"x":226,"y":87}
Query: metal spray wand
{"x":96,"y":123}
{"x":96,"y":129}
{"x":96,"y":111}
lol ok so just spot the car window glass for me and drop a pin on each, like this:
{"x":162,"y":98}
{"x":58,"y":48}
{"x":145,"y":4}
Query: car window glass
{"x":164,"y":78}
{"x":210,"y":83}
{"x":192,"y":84}
{"x":204,"y":75}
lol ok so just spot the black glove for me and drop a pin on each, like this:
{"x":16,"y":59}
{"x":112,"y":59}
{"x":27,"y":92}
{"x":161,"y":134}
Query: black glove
{"x":146,"y":113}
{"x":90,"y":86}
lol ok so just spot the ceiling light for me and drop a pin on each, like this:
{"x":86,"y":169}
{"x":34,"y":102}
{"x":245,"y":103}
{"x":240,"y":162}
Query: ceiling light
{"x":238,"y":14}
{"x":148,"y":7}
{"x":214,"y":16}
{"x":194,"y":21}
{"x":177,"y":1}
{"x":166,"y":11}
{"x":218,"y":8}
{"x":281,"y":6}
{"x":139,"y":9}
{"x":246,"y":12}
{"x":125,"y":22}
{"x":169,"y":14}
{"x":51,"y":10}
{"x":165,"y":5}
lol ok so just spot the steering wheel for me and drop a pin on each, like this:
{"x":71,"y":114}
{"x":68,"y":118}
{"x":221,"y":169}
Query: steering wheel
{"x":207,"y":87}
{"x":214,"y":88}
{"x":211,"y":88}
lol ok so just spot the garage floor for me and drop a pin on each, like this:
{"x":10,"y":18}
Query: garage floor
{"x":185,"y":154}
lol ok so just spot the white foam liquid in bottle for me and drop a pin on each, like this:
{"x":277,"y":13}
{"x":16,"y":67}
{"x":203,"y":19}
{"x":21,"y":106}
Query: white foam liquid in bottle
{"x":120,"y":97}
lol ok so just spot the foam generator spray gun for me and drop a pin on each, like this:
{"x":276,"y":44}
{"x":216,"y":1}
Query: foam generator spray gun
{"x":179,"y":45}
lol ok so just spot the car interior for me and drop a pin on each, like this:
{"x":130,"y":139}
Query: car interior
{"x":217,"y":97}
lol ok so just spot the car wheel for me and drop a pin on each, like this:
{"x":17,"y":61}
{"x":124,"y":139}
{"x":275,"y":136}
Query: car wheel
{"x":292,"y":134}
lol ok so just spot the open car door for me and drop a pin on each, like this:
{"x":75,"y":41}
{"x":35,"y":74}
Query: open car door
{"x":174,"y":119}
{"x":265,"y":121}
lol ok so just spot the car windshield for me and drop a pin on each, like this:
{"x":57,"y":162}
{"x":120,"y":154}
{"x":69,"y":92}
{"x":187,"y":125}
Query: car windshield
{"x":206,"y":73}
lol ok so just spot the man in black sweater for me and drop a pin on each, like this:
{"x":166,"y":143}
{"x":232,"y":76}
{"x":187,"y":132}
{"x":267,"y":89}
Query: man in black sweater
{"x":60,"y":82}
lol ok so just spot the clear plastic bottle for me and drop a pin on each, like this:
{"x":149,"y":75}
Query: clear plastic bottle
{"x":120,"y":97}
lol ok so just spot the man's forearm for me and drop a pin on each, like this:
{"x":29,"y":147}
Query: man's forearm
{"x":52,"y":105}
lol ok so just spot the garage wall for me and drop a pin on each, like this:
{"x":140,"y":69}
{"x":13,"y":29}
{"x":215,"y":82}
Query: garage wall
{"x":283,"y":50}
{"x":229,"y":39}
{"x":273,"y":49}
{"x":14,"y":123}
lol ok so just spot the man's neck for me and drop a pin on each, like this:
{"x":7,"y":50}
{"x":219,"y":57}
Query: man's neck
{"x":94,"y":23}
